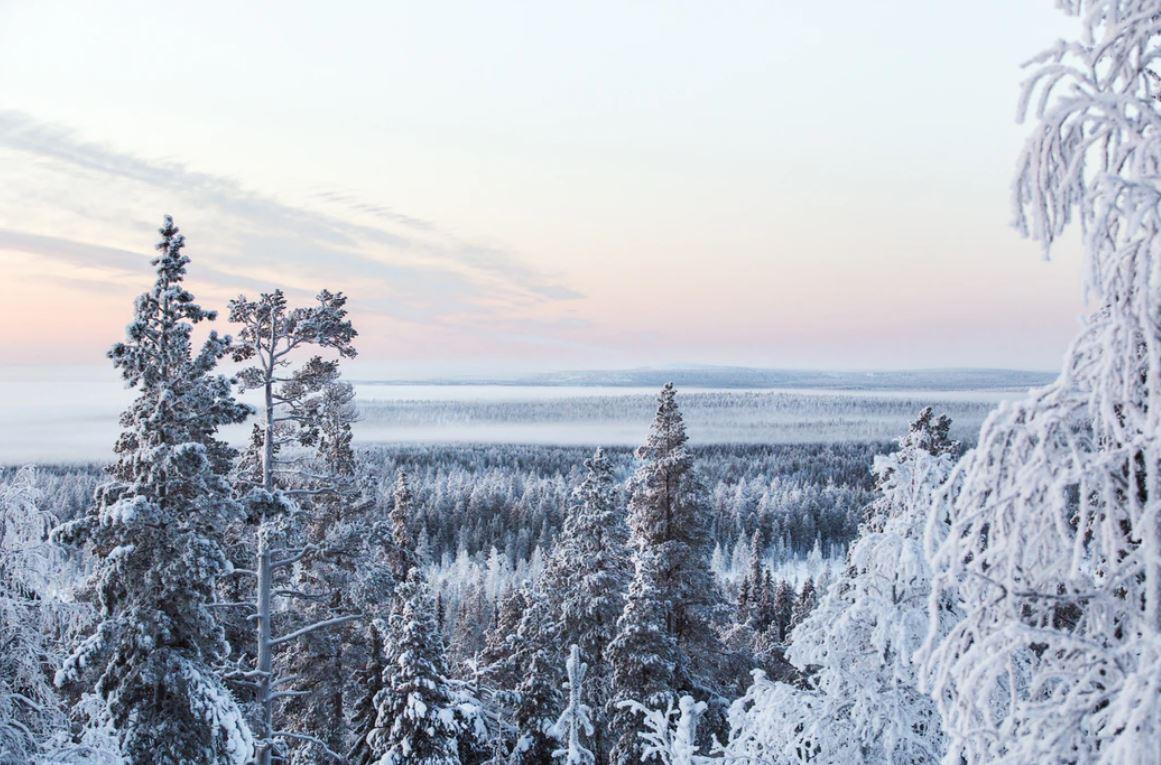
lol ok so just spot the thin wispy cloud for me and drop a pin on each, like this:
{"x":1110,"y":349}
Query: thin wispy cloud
{"x":75,"y":253}
{"x":412,"y":268}
{"x":105,"y":263}
{"x":352,"y":202}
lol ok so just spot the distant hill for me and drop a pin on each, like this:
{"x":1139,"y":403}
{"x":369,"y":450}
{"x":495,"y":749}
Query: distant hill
{"x":752,"y":377}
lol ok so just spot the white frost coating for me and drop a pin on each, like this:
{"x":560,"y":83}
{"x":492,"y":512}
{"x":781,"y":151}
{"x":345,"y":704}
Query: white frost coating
{"x":575,"y":720}
{"x":213,"y":702}
{"x":30,"y":617}
{"x":856,"y":647}
{"x":670,"y":735}
{"x":765,"y":727}
{"x":1054,"y":547}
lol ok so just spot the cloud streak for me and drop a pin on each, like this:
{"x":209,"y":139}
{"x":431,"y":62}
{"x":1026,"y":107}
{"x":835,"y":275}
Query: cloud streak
{"x":420,"y":270}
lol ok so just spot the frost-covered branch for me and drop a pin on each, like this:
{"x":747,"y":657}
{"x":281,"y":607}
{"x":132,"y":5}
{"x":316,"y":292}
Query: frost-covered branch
{"x":292,"y":636}
{"x":1054,"y":543}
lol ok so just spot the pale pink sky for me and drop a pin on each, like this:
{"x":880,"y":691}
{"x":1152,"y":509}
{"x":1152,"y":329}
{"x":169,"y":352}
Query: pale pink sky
{"x":509,"y":187}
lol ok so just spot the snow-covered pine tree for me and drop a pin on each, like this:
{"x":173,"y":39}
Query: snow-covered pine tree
{"x":403,"y":557}
{"x":575,"y":722}
{"x":666,"y":643}
{"x":780,"y":611}
{"x":415,"y":722}
{"x":807,"y":600}
{"x":857,"y":645}
{"x":1054,"y":548}
{"x":291,"y":414}
{"x":584,"y":583}
{"x":928,"y":435}
{"x":155,"y":535}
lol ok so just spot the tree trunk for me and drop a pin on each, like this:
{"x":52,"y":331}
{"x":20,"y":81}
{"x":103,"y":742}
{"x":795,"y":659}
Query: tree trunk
{"x":265,"y":586}
{"x":265,"y":652}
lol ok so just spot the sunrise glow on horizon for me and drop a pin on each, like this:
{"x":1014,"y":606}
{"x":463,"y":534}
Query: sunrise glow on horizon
{"x":531,"y":188}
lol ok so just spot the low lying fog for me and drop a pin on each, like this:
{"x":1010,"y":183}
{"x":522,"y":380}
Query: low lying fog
{"x":71,"y":416}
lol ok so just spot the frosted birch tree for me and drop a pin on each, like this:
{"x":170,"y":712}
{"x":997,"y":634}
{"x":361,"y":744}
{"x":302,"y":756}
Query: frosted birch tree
{"x":769,"y":725}
{"x":1054,"y":548}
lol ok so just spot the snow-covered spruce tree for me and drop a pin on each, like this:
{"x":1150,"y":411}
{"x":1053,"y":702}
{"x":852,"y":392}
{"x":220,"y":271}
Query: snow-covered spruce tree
{"x":416,"y":723}
{"x":475,"y":612}
{"x":363,"y":713}
{"x":742,"y":611}
{"x":643,"y":656}
{"x":394,"y":552}
{"x":402,"y":555}
{"x":584,"y":583}
{"x":575,"y":722}
{"x":499,"y":662}
{"x":1054,"y":548}
{"x":349,"y":572}
{"x":776,"y":610}
{"x":517,"y":663}
{"x":292,"y":402}
{"x":666,"y":643}
{"x":538,"y":702}
{"x":807,"y":600}
{"x":155,"y":535}
{"x":856,"y":647}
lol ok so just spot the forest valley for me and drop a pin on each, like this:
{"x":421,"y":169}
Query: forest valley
{"x":922,"y":601}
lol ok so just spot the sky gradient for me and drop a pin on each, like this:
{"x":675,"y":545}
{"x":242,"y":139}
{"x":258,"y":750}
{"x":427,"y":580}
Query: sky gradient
{"x":509,"y":187}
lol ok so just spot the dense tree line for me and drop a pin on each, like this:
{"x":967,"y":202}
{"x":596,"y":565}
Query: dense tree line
{"x":734,"y":416}
{"x":473,"y":498}
{"x":470,"y":499}
{"x":293,"y":600}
